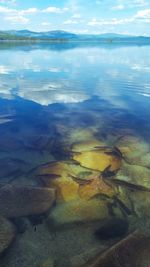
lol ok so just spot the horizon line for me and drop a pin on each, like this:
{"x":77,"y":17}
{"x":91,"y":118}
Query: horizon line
{"x":61,"y":30}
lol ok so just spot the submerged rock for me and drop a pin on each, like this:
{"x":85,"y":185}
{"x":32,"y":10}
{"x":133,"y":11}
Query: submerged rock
{"x":141,"y":203}
{"x":11,"y":167}
{"x":86,"y":145}
{"x":80,"y":211}
{"x":98,"y":160}
{"x":16,"y":201}
{"x":63,"y":169}
{"x":66,"y":177}
{"x":7,"y":233}
{"x":80,"y":135}
{"x":82,"y":193}
{"x":134,"y":174}
{"x":48,"y":263}
{"x":131,"y":251}
{"x":95,"y":187}
{"x":21,"y":223}
{"x":133,"y":148}
{"x":113,"y":228}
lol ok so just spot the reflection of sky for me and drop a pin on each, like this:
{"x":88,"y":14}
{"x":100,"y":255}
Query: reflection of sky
{"x":118,"y":75}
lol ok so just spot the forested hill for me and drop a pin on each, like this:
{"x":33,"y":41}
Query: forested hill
{"x":63,"y":36}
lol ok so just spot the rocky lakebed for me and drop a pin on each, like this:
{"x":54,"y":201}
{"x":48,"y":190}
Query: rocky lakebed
{"x":80,"y":200}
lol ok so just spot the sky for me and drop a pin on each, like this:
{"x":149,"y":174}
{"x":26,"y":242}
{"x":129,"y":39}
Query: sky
{"x":78,"y":16}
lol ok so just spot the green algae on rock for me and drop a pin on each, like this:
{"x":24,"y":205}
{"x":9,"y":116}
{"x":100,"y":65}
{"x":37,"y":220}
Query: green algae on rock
{"x":133,"y":148}
{"x":141,"y":203}
{"x":79,"y":211}
{"x":83,"y":211}
{"x":134,"y":174}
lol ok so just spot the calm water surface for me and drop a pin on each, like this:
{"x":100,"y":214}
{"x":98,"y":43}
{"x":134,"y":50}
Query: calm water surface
{"x":53,"y":97}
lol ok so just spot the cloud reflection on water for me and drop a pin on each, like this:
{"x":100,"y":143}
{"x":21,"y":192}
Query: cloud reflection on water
{"x":47,"y":76}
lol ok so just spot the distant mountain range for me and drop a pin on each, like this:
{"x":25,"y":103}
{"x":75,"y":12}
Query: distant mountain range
{"x":63,"y":36}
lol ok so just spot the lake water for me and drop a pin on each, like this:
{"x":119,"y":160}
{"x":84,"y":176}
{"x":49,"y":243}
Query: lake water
{"x":74,"y":118}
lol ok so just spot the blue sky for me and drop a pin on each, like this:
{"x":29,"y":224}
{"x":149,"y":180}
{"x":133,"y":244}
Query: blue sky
{"x":79,"y":16}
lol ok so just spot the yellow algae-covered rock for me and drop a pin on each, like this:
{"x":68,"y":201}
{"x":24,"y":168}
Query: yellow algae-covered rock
{"x":7,"y":233}
{"x":57,"y":169}
{"x":67,"y":189}
{"x":97,"y":160}
{"x":65,"y":177}
{"x":86,"y":145}
{"x":97,"y":186}
{"x":73,"y":181}
{"x":79,"y":211}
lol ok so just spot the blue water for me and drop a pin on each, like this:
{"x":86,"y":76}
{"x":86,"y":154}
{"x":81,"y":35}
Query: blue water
{"x":48,"y":92}
{"x":116,"y":77}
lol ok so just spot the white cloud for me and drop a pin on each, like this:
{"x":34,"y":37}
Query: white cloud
{"x":113,"y":21}
{"x":128,"y":4}
{"x":139,"y":3}
{"x":14,"y":15}
{"x":17,"y":18}
{"x":22,"y":16}
{"x":140,"y":15}
{"x":118,"y":7}
{"x":53,"y":9}
{"x":6,"y":10}
{"x":69,"y":21}
{"x":143,"y":14}
{"x":32,"y":10}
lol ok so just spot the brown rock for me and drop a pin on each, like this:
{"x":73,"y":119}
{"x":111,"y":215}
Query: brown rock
{"x":18,"y":201}
{"x":7,"y":233}
{"x":133,"y":251}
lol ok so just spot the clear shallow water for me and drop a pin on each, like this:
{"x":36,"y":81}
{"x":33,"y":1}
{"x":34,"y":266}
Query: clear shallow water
{"x":53,"y":97}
